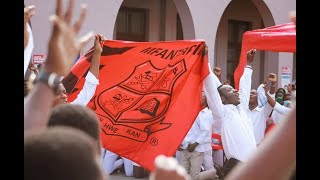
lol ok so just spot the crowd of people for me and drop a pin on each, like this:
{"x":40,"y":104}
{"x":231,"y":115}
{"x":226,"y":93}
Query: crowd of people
{"x":65,"y":137}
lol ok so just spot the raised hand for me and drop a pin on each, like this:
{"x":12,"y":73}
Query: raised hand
{"x":227,"y":82}
{"x":63,"y":44}
{"x":250,"y":56}
{"x":205,"y":49}
{"x":272,"y":78}
{"x":98,"y":43}
{"x":29,"y":11}
{"x":95,"y":63}
{"x":217,"y":72}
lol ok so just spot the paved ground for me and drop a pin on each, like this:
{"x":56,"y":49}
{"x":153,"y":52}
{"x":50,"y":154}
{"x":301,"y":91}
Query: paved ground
{"x":122,"y":176}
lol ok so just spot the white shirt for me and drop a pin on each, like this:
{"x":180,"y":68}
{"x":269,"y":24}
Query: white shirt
{"x":259,"y":117}
{"x":279,"y":113}
{"x":236,"y":128}
{"x":88,"y":90}
{"x":200,"y":132}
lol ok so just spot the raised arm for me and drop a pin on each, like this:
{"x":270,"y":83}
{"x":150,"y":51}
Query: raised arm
{"x":272,"y":78}
{"x":90,"y":85}
{"x":211,"y":84}
{"x":95,"y":63}
{"x":245,"y":81}
{"x":62,"y":48}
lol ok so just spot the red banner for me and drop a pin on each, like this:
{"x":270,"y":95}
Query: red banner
{"x":148,"y":97}
{"x":279,"y":38}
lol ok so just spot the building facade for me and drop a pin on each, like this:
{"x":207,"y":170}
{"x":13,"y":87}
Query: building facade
{"x":220,"y":23}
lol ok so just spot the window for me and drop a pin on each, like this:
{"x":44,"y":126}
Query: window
{"x":235,"y":32}
{"x":131,"y":24}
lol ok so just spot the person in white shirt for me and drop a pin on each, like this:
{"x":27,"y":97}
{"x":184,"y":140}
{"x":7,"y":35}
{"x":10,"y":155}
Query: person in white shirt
{"x":229,"y":107}
{"x":196,"y":142}
{"x":280,"y":111}
{"x":86,"y":93}
{"x":91,"y":83}
{"x":259,"y":115}
{"x":218,"y":157}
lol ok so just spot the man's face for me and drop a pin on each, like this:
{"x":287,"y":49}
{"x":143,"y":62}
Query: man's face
{"x":229,"y":95}
{"x":61,"y":98}
{"x":253,"y":96}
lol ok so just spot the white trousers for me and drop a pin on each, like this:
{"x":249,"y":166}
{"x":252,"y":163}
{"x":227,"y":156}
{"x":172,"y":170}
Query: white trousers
{"x":110,"y":163}
{"x":218,"y":157}
{"x":208,"y":160}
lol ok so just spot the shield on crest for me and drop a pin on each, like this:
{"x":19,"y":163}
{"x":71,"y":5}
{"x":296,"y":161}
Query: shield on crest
{"x":136,"y":107}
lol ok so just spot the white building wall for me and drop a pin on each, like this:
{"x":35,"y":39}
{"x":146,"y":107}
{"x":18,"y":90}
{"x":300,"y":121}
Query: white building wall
{"x":200,"y":20}
{"x":207,"y":14}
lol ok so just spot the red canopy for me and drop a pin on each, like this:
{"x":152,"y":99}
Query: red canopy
{"x":279,"y":38}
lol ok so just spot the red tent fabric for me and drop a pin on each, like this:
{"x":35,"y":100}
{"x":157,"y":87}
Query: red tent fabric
{"x":279,"y":38}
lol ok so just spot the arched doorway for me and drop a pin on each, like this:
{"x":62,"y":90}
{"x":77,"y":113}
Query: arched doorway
{"x":239,"y":17}
{"x":157,"y":20}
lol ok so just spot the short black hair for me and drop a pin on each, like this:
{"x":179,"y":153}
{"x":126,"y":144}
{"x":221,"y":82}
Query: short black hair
{"x":76,"y":116}
{"x":62,"y":153}
{"x":281,"y":89}
{"x":219,"y":87}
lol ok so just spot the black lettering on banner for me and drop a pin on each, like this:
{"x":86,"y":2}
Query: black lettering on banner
{"x":111,"y":128}
{"x":195,"y":51}
{"x":133,"y":133}
{"x":162,"y":53}
{"x":172,"y":54}
{"x":156,"y":51}
{"x":148,"y":50}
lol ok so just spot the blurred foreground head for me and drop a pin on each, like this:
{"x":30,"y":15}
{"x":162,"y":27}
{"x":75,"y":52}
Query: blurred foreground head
{"x":60,"y":153}
{"x":79,"y":117}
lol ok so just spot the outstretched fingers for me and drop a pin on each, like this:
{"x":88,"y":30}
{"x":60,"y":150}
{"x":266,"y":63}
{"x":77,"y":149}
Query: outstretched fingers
{"x":79,"y":22}
{"x":59,"y":8}
{"x":68,"y":15}
{"x":57,"y":25}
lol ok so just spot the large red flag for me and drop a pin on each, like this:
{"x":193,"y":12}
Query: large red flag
{"x":279,"y":38}
{"x":148,"y":97}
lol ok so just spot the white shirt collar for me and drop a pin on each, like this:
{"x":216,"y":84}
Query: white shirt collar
{"x":257,"y":109}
